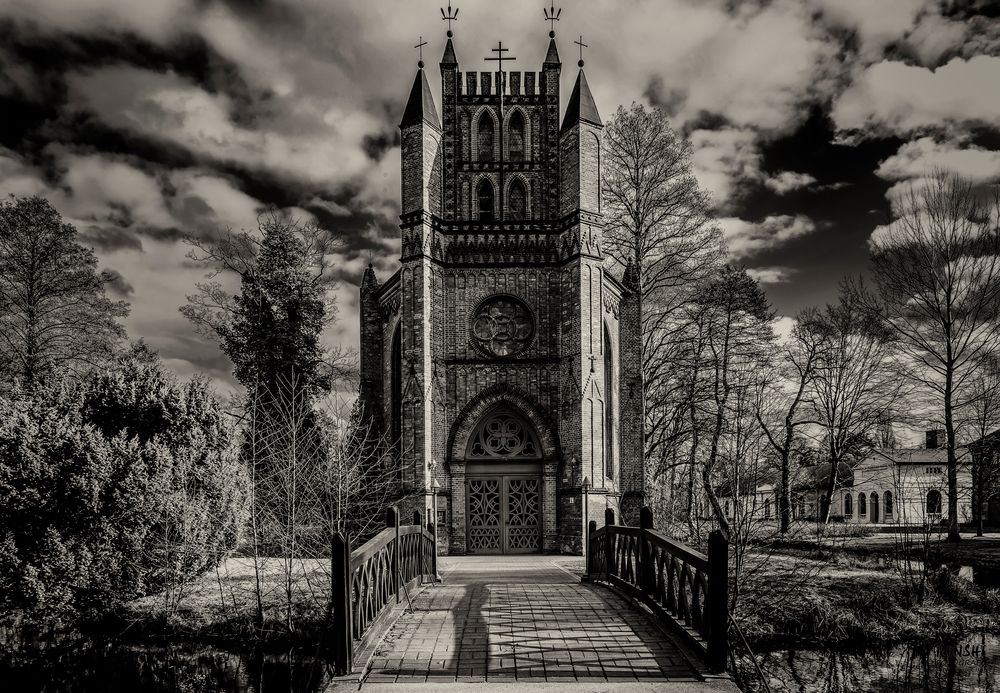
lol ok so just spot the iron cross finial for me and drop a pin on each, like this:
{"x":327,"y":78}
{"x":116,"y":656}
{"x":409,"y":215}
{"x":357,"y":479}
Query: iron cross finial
{"x":582,"y":45}
{"x":500,"y":57}
{"x":420,"y":51}
{"x":450,"y":16}
{"x":552,"y":16}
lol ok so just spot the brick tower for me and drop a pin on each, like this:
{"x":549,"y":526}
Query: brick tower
{"x":499,"y":357}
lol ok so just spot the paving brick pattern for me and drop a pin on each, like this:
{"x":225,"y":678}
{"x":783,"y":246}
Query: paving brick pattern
{"x":506,"y":619}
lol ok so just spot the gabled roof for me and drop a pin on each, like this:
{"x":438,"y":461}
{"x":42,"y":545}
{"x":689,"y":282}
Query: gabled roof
{"x":581,"y":106}
{"x":420,"y":105}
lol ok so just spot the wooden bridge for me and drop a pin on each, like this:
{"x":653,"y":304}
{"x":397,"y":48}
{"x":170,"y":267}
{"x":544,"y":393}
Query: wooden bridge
{"x":642,"y":610}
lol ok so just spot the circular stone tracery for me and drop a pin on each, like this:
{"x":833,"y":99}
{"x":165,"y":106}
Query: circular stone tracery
{"x":502,"y":326}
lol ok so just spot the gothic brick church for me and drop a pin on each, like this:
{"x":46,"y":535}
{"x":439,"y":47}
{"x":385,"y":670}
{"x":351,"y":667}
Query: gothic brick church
{"x":502,"y":357}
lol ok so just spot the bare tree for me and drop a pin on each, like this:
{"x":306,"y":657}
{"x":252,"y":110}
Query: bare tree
{"x":318,"y":470}
{"x":856,"y":386}
{"x":54,"y":313}
{"x":733,"y":320}
{"x":786,"y":394}
{"x":982,"y":416}
{"x":659,"y":223}
{"x":937,"y":270}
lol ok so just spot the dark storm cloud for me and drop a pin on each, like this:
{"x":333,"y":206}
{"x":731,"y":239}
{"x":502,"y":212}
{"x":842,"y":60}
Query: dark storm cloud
{"x":117,"y":284}
{"x":109,"y":238}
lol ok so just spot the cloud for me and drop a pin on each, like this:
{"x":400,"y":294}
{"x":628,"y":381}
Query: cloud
{"x":787,"y":181}
{"x":156,"y":21}
{"x":898,"y":98}
{"x":783,"y":326}
{"x":725,"y":161}
{"x":117,"y":284}
{"x":746,"y":239}
{"x":167,"y":107}
{"x":771,"y":275}
{"x":876,"y":24}
{"x":922,"y":156}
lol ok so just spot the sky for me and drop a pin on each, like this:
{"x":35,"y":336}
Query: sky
{"x":148,"y":122}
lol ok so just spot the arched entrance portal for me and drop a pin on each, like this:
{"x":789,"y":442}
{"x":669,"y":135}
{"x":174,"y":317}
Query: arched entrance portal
{"x":503,"y":485}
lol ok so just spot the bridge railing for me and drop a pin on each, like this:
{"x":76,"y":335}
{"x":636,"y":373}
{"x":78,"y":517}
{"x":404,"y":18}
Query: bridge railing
{"x":369,"y":582}
{"x":683,"y":587}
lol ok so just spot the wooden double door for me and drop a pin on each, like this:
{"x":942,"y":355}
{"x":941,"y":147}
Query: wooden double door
{"x":504,"y":514}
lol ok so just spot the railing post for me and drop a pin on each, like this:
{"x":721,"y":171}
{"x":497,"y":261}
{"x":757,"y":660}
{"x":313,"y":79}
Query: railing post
{"x":421,"y":554}
{"x":392,"y":522}
{"x":591,"y":528}
{"x":609,"y":544}
{"x":717,"y":601}
{"x":646,"y":572}
{"x":432,"y":526}
{"x":343,"y":637}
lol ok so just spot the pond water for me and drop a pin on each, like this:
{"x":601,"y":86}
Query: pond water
{"x":971,"y":665}
{"x":110,"y":667}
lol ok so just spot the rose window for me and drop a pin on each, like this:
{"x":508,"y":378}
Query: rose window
{"x":502,"y":326}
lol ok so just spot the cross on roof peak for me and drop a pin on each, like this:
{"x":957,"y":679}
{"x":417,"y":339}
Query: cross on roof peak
{"x":420,"y":51}
{"x":582,"y":45}
{"x":500,"y":57}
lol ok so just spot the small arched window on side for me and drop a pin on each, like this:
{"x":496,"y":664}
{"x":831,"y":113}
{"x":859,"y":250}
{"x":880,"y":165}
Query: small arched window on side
{"x":862,"y":505}
{"x":887,"y":503}
{"x":485,"y":197}
{"x":848,"y":505}
{"x":515,"y":137}
{"x":517,"y":201}
{"x":485,"y":137}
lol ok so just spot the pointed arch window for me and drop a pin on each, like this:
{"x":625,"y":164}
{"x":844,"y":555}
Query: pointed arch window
{"x":517,"y":201}
{"x":485,"y":196}
{"x":486,"y":137}
{"x":396,"y":414}
{"x":515,"y":137}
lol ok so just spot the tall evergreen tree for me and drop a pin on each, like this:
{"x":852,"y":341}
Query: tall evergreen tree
{"x":271,"y":328}
{"x":54,"y":313}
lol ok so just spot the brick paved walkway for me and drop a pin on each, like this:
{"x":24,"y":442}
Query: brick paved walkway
{"x":524,"y":619}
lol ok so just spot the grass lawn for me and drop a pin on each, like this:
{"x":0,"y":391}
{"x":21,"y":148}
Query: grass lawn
{"x":222,"y":602}
{"x":832,"y":596}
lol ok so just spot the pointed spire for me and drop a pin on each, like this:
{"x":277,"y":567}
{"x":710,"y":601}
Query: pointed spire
{"x":420,"y":105}
{"x":552,"y":56}
{"x":369,"y":282}
{"x":581,"y":106}
{"x":449,"y":59}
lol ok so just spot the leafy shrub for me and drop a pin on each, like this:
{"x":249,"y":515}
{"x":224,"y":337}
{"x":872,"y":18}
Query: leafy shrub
{"x":113,"y":487}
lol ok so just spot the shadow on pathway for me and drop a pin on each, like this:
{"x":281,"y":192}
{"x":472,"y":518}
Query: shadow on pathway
{"x":504,"y":619}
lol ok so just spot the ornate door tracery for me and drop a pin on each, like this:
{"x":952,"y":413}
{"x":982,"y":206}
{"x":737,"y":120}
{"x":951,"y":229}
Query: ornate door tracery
{"x":504,"y":514}
{"x":503,"y":495}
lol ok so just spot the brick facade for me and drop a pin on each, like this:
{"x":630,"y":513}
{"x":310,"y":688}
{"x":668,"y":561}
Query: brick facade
{"x":440,"y":382}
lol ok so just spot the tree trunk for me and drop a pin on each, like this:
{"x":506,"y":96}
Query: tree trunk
{"x":784,"y":495}
{"x":949,"y":424}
